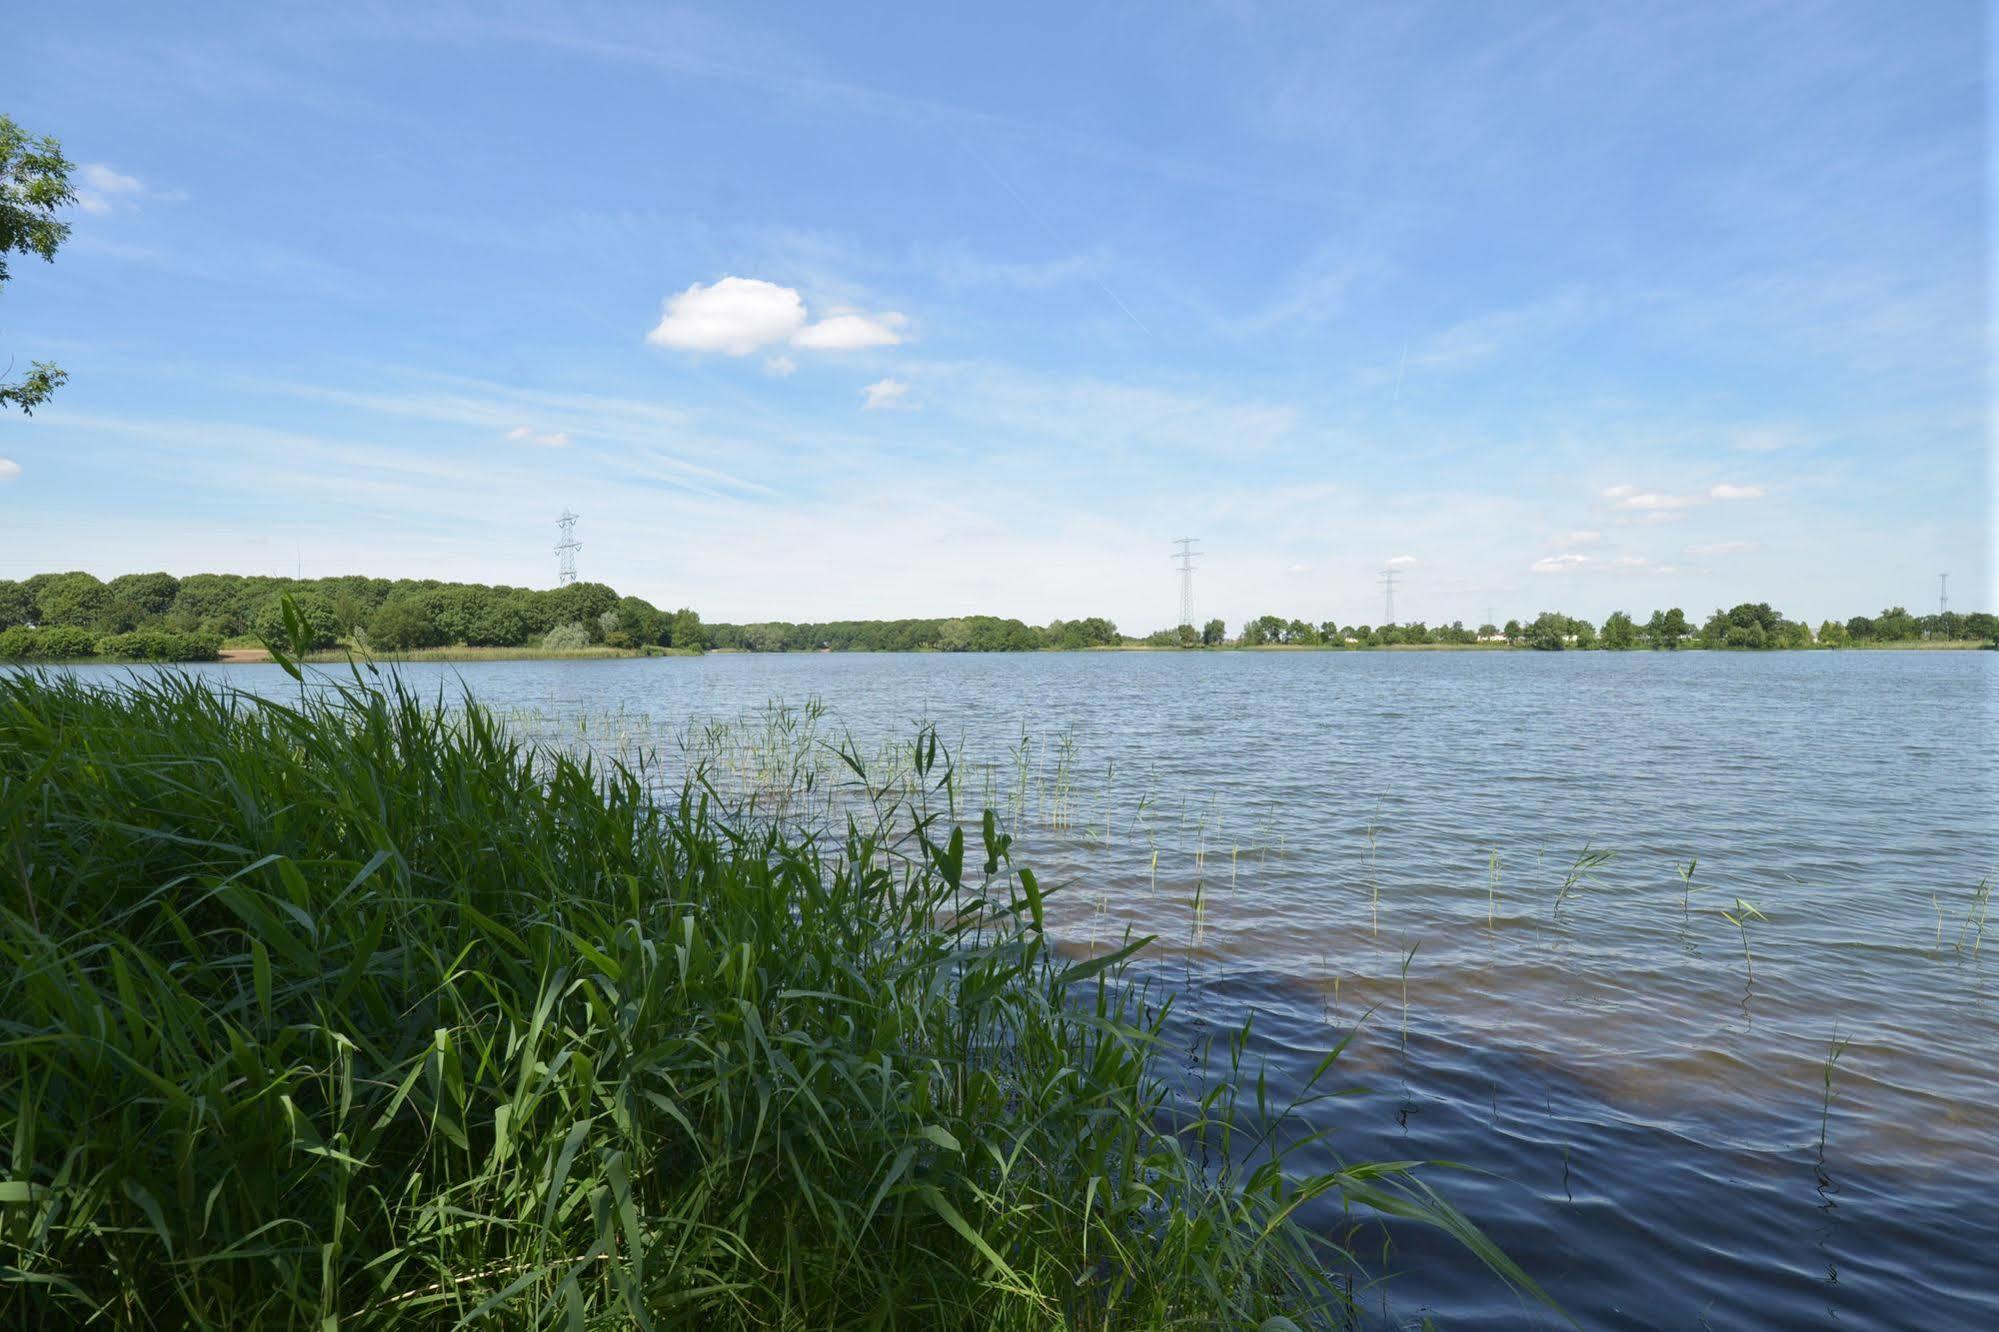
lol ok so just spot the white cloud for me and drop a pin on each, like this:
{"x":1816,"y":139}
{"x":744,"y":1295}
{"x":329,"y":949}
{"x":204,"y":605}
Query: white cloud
{"x":884,"y":395}
{"x":1297,"y":568}
{"x":780,"y":367}
{"x":1618,"y":492}
{"x":553,"y":439}
{"x":99,"y":189}
{"x":851,"y":331}
{"x":9,"y":469}
{"x":1581,"y":539}
{"x":1555,"y":564}
{"x":1714,"y":548}
{"x":1653,"y":500}
{"x":1403,"y":562}
{"x":1571,"y":562}
{"x":736,"y":316}
{"x":1725,"y":491}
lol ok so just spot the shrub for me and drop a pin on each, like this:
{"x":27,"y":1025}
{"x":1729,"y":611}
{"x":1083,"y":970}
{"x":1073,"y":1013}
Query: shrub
{"x":566,"y":638}
{"x":159,"y":645}
{"x":17,"y":643}
{"x":63,"y":642}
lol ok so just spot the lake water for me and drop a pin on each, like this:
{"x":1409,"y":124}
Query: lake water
{"x":1650,"y":1117}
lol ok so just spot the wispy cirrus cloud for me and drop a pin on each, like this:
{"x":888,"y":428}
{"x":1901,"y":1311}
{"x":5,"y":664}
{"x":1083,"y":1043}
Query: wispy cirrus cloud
{"x":886,"y":395}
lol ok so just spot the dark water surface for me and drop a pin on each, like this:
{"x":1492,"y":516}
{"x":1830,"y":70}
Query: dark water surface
{"x":1648,"y":1113}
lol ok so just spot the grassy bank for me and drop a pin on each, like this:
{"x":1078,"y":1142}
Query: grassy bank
{"x":353,"y":1011}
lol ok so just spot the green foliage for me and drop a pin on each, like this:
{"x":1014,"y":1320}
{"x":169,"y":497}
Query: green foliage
{"x":1753,"y":625}
{"x":400,"y":625}
{"x":1667,"y":629}
{"x":566,"y":638}
{"x":159,"y":645}
{"x":687,"y":631}
{"x":1550,"y":631}
{"x":1213,"y":633}
{"x":34,"y":187}
{"x":71,"y":599}
{"x":1092,"y":631}
{"x":968,"y":633}
{"x":1832,"y":634}
{"x":57,"y":643}
{"x":350,"y":1011}
{"x":17,"y":604}
{"x":1620,"y":634}
{"x":267,"y":622}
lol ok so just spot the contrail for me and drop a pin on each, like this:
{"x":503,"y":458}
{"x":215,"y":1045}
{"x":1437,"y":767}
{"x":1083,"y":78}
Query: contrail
{"x":1036,"y":218}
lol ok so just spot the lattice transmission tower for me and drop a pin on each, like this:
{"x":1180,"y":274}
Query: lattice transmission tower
{"x":1185,"y":559}
{"x":1388,"y":596}
{"x":565,"y":549}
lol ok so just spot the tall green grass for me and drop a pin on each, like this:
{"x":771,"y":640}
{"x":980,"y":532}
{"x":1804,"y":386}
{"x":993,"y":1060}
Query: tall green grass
{"x":358,"y":1012}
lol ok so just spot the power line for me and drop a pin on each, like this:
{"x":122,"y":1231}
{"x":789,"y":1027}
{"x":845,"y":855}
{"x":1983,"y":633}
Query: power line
{"x":565,"y":549}
{"x":1388,"y":596}
{"x":1185,"y":558}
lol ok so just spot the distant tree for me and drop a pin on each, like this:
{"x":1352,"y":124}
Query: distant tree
{"x":350,"y":610}
{"x":687,"y":631}
{"x":1981,"y":626}
{"x":1620,"y":634}
{"x":1666,"y":629}
{"x":68,"y":600}
{"x":771,"y":637}
{"x":1513,"y":631}
{"x":1550,"y":631}
{"x":1488,"y":631}
{"x":151,"y":593}
{"x":1895,"y":625}
{"x":505,"y":619}
{"x":400,"y":625}
{"x":1583,"y":632}
{"x":1832,"y":634}
{"x":566,"y":638}
{"x":34,"y":185}
{"x":1860,"y":629}
{"x":1213,"y":633}
{"x":1753,"y":625}
{"x":1189,"y":636}
{"x":17,"y":604}
{"x":267,"y":622}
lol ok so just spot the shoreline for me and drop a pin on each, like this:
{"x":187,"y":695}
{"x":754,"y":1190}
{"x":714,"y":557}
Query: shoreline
{"x":253,"y":656}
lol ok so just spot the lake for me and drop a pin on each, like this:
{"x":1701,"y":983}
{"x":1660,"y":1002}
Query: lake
{"x":1414,"y":841}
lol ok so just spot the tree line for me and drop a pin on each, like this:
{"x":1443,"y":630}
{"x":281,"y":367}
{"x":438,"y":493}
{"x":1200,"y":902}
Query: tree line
{"x":968,"y":633}
{"x":1750,"y":625}
{"x":156,"y":616}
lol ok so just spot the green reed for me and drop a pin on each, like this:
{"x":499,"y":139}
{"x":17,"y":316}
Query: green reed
{"x":1581,"y":874}
{"x":355,"y":1011}
{"x":1834,"y":1049}
{"x":1974,"y":919}
{"x":1740,"y":917}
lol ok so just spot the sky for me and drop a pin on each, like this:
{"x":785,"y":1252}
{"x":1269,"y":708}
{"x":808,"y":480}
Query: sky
{"x":824,"y":312}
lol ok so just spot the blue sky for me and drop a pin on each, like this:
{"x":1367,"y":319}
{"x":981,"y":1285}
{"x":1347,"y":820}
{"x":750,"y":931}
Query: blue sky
{"x":820,"y":312}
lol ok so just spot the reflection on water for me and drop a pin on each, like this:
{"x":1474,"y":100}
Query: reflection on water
{"x":1515,"y":869}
